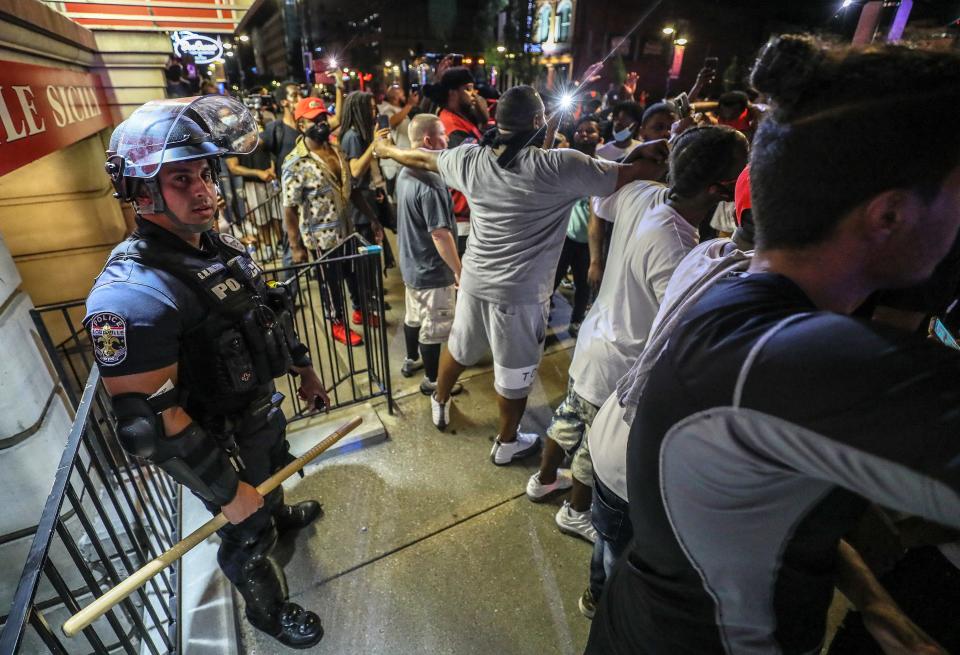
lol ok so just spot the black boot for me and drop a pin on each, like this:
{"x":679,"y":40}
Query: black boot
{"x":295,"y":517}
{"x":300,"y":628}
{"x":264,"y":591}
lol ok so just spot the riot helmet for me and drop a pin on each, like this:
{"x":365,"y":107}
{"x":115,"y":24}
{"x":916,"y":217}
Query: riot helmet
{"x":179,"y":129}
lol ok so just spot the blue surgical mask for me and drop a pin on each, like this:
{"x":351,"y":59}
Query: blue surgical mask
{"x":624,"y":134}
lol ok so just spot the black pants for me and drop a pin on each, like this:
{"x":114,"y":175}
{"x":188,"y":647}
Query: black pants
{"x":263,"y":450}
{"x":332,"y":277}
{"x":575,"y":256}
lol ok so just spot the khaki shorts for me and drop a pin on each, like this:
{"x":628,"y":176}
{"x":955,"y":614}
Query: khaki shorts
{"x":431,"y":310}
{"x":568,"y":429}
{"x":514,"y":334}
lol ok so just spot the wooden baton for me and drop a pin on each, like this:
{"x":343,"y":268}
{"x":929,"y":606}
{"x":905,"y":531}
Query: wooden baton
{"x":101,"y":605}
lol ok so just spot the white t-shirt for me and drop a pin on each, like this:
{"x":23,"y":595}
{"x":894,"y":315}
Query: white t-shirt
{"x":649,"y":239}
{"x":607,"y":438}
{"x":611,"y":152}
{"x":519,"y":215}
{"x":401,"y":137}
{"x":609,"y":432}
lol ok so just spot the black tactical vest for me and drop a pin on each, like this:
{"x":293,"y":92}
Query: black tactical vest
{"x":246,"y":336}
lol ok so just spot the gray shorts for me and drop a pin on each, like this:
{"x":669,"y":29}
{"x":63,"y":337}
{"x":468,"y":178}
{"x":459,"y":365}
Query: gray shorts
{"x":514,"y":334}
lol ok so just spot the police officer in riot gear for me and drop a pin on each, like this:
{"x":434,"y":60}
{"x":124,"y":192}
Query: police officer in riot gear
{"x":189,"y":337}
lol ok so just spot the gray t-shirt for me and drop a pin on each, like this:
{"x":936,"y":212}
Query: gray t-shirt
{"x":519,"y":215}
{"x":423,"y":205}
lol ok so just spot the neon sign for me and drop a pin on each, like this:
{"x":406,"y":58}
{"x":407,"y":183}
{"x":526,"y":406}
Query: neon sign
{"x":203,"y":49}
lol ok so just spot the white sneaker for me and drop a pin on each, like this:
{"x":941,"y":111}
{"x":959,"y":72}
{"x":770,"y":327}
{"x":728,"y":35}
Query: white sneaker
{"x":538,"y":492}
{"x":575,"y":523}
{"x":440,"y":412}
{"x":525,"y":445}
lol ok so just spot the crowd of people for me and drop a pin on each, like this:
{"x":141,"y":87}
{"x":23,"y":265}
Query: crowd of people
{"x":754,"y":276}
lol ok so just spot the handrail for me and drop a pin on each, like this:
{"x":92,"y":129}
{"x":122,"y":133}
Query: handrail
{"x":22,"y":606}
{"x":107,"y":513}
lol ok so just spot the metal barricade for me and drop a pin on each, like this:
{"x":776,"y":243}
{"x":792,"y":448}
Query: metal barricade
{"x":351,"y":375}
{"x":107,"y":515}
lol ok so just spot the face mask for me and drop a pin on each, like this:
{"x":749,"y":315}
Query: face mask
{"x":624,"y":134}
{"x":318,"y":133}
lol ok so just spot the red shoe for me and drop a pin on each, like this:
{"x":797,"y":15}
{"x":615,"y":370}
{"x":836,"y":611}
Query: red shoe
{"x":340,"y":332}
{"x":372,"y":319}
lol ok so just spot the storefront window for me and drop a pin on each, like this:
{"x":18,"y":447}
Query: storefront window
{"x":564,"y":12}
{"x":543,"y":23}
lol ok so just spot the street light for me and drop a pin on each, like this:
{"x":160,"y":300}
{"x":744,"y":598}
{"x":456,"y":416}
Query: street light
{"x":227,"y":46}
{"x":501,"y":48}
{"x":388,"y":64}
{"x":668,"y":30}
{"x":681,"y":41}
{"x":244,"y":38}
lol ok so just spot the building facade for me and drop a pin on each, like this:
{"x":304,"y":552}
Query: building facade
{"x":552,"y":38}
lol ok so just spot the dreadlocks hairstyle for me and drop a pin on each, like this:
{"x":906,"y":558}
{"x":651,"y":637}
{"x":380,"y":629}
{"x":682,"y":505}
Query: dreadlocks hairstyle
{"x":847,"y":124}
{"x":702,"y":156}
{"x":357,"y":116}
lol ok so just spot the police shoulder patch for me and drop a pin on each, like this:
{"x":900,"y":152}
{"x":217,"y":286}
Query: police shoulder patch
{"x":232,"y":242}
{"x":109,"y":334}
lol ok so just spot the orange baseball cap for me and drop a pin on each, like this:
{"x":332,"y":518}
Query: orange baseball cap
{"x":309,"y":108}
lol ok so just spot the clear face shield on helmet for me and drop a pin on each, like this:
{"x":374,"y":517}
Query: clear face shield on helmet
{"x":180,"y":129}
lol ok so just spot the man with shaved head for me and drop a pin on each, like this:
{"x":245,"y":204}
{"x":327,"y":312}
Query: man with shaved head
{"x":429,"y":264}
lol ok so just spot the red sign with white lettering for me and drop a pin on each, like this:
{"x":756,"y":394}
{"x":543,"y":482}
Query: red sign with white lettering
{"x":45,"y":109}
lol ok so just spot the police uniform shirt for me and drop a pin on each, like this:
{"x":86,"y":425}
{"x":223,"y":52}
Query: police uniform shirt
{"x":136,"y":314}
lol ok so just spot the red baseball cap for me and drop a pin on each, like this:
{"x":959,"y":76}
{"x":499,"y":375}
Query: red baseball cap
{"x":309,"y":108}
{"x":741,"y":198}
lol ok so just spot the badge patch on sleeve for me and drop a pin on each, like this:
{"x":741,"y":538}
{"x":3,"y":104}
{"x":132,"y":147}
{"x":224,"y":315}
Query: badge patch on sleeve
{"x":109,"y":334}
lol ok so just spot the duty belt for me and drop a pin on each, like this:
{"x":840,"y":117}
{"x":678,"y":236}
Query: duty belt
{"x":225,"y":427}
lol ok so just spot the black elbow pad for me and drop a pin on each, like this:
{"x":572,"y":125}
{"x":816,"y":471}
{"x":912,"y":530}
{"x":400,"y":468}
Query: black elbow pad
{"x":138,"y":425}
{"x":192,"y":457}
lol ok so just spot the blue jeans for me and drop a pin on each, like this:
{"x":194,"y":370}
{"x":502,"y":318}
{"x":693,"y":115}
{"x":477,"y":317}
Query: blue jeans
{"x":611,"y":520}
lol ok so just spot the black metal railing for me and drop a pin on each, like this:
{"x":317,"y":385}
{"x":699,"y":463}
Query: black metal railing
{"x":342,"y":287}
{"x":351,"y":374}
{"x":107,"y":515}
